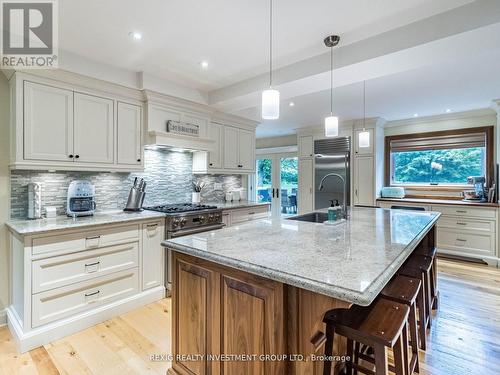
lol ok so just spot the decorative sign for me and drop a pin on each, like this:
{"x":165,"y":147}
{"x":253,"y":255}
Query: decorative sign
{"x":183,"y":128}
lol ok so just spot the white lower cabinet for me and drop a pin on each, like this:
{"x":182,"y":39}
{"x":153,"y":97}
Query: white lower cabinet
{"x":153,"y":233}
{"x":77,"y":278}
{"x":236,"y":216}
{"x":464,"y":231}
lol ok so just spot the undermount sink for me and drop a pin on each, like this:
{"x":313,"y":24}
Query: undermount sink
{"x":316,"y":217}
{"x":313,"y":217}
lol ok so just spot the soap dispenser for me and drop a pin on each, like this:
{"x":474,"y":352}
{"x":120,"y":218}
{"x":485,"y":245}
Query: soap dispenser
{"x":332,"y":211}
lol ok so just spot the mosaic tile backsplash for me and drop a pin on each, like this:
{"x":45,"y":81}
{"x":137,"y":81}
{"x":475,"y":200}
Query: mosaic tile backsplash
{"x":168,"y":175}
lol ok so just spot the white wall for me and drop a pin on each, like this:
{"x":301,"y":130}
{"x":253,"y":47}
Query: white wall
{"x":4,"y":192}
{"x":283,"y":141}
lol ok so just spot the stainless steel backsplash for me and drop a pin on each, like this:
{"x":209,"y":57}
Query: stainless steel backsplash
{"x":167,"y":173}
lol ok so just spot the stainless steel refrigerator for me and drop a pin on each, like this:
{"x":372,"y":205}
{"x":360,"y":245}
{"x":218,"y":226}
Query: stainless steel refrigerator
{"x":332,"y":156}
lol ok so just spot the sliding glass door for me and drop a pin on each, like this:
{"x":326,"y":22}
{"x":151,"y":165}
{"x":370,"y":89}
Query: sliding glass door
{"x":276,"y":182}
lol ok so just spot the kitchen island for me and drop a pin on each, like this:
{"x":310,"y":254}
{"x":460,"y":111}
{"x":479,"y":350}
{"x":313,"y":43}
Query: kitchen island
{"x":262,"y":288}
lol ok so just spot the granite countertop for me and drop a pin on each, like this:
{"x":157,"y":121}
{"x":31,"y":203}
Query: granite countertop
{"x":351,"y":261}
{"x":28,"y":227}
{"x":457,"y":202}
{"x":237,"y":204}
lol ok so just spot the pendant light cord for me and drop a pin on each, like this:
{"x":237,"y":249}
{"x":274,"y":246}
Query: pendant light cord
{"x":331,"y":80}
{"x":270,"y":43}
{"x":364,"y":104}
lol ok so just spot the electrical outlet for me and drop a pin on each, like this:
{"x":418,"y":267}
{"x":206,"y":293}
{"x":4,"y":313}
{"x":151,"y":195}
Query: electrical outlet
{"x":217,"y":186}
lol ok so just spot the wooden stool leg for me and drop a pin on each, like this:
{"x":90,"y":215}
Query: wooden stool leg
{"x":428,"y":307}
{"x":350,"y":354}
{"x":399,"y":365}
{"x":414,"y":334}
{"x":422,"y":324}
{"x":435,"y":294}
{"x":381,"y":365}
{"x":330,"y":335}
{"x":357,"y":348}
{"x":404,"y":340}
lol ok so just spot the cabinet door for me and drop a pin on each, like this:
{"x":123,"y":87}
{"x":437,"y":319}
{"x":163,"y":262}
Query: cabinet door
{"x":305,"y":194}
{"x":129,"y":120}
{"x":231,"y":154}
{"x":93,"y":134}
{"x":48,"y":123}
{"x":363,"y":145}
{"x":215,"y":156}
{"x":246,"y":145}
{"x":152,"y":254}
{"x":306,"y":148}
{"x":364,"y":194}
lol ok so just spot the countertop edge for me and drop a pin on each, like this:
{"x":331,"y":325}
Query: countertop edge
{"x":75,"y":226}
{"x":363,"y":299}
{"x":440,"y":202}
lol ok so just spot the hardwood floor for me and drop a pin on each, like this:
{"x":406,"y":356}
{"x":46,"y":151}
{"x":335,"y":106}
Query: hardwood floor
{"x":465,"y":337}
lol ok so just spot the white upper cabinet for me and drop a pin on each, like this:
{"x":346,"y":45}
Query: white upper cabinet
{"x":306,"y":146}
{"x":48,"y":123}
{"x":246,"y":150}
{"x":93,"y":129}
{"x":231,"y":144}
{"x":60,"y":126}
{"x":215,"y":133}
{"x":363,"y":142}
{"x":129,"y":128}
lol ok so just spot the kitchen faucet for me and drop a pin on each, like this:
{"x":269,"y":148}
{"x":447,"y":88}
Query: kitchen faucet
{"x":344,"y":203}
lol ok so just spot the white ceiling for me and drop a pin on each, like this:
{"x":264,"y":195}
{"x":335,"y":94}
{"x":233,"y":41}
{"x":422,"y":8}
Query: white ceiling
{"x":417,"y":56}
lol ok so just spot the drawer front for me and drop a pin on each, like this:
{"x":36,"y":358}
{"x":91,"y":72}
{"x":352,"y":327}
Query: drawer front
{"x":383,"y":204}
{"x":472,"y":243}
{"x":460,"y":223}
{"x":239,"y":216}
{"x":462,"y":211}
{"x":84,"y":240}
{"x":258,"y":213}
{"x":70,"y":300}
{"x":55,"y":272}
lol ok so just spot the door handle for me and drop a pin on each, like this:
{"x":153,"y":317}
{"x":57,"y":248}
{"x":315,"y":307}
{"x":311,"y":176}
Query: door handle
{"x":277,"y":193}
{"x":273,"y":192}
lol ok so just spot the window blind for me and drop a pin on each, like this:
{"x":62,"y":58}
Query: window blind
{"x":439,"y":142}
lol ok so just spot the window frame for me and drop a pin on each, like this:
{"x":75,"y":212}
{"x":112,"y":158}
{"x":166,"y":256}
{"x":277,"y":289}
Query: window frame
{"x":487,"y":130}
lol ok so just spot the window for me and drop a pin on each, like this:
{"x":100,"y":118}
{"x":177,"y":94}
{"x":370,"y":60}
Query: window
{"x":439,"y":158}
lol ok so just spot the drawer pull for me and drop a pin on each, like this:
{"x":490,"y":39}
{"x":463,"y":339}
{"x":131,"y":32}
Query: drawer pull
{"x":461,"y":223}
{"x":92,"y":294}
{"x":152,"y":225}
{"x":461,"y":240}
{"x":251,"y":213}
{"x":93,"y":238}
{"x":461,"y":212}
{"x":92,"y":264}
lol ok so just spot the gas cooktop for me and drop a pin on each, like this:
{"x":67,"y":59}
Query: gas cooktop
{"x":180,"y":208}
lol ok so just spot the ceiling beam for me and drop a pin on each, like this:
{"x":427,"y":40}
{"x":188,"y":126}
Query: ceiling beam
{"x":470,"y":29}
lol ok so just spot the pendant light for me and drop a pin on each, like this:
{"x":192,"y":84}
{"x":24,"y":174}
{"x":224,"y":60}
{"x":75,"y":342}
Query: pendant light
{"x":270,"y":97}
{"x":364,"y":136}
{"x":331,"y":122}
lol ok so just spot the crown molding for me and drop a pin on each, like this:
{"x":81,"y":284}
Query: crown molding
{"x":230,"y":119}
{"x":153,"y":97}
{"x":483,"y":112}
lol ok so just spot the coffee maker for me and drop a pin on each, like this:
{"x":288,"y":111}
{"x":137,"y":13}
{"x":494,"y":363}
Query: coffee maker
{"x":81,"y":199}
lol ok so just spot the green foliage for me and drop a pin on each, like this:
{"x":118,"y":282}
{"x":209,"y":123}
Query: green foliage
{"x":289,"y":171}
{"x":457,"y":165}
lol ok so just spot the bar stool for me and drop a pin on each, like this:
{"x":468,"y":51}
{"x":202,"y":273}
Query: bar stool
{"x":405,"y":290}
{"x":426,"y":248}
{"x":379,"y":326}
{"x":418,"y":267}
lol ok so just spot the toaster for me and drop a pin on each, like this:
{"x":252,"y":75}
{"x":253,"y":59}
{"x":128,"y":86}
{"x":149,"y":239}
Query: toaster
{"x":392,"y":192}
{"x":81,"y":199}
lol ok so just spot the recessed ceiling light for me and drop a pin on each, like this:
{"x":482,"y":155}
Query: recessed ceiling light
{"x":135,"y":35}
{"x":291,"y":104}
{"x":448,"y":110}
{"x":415,"y":115}
{"x":204,"y":64}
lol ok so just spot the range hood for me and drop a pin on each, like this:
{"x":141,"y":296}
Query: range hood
{"x":179,"y":142}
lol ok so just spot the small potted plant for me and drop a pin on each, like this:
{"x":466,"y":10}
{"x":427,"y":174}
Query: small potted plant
{"x":197,"y":187}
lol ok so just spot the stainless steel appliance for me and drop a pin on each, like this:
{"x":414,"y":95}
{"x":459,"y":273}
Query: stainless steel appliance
{"x":136,"y":196}
{"x":185,"y":219}
{"x":81,"y":198}
{"x":332,"y":158}
{"x":34,"y":200}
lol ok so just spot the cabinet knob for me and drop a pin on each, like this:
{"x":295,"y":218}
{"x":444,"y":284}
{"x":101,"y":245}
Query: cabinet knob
{"x":240,"y":166}
{"x":71,"y":156}
{"x":211,"y":164}
{"x":138,"y":160}
{"x":77,"y":156}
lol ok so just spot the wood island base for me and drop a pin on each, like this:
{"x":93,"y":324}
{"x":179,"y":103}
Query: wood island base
{"x":220,"y":311}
